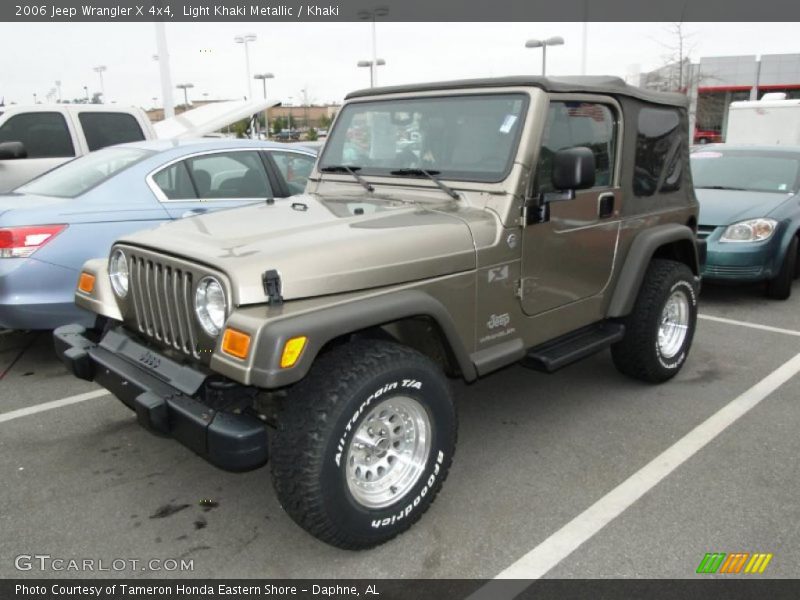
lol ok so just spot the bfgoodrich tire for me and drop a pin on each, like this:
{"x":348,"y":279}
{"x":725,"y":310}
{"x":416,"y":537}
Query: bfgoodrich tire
{"x":364,"y":443}
{"x":660,"y":329}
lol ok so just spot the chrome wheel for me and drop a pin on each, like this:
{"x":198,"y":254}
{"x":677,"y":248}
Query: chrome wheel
{"x":674,"y":324}
{"x":388,"y":452}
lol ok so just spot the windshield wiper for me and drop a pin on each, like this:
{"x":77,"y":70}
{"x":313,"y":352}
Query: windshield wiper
{"x":430,"y":175}
{"x":352,"y":170}
{"x":720,"y":187}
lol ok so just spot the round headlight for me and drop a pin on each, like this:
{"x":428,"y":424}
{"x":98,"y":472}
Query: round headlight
{"x":209,"y":305}
{"x":118,"y":273}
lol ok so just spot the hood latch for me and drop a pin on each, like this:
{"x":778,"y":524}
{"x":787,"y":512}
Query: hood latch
{"x":272,"y":286}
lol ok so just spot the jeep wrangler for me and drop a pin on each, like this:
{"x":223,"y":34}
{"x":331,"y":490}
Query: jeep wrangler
{"x":447,"y":230}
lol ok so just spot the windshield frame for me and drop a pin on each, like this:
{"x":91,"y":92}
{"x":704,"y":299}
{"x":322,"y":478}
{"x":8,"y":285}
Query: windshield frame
{"x":366,"y":171}
{"x":750,"y":153}
{"x":144,"y":154}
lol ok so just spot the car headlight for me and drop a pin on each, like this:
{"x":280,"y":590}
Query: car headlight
{"x":118,"y":273}
{"x":752,"y":230}
{"x":210,"y":305}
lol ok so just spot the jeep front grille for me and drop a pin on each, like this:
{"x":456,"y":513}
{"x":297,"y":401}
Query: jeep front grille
{"x":162,"y":303}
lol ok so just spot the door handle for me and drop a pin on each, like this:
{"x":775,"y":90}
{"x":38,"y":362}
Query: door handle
{"x":605,"y":205}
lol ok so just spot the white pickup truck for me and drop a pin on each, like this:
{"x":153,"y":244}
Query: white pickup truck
{"x":35,"y":139}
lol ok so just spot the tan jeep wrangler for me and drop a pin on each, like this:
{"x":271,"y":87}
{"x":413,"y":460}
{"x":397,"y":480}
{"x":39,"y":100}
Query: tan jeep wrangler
{"x":447,"y":230}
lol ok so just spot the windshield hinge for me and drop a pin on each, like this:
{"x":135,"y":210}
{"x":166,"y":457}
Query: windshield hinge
{"x":272,"y":286}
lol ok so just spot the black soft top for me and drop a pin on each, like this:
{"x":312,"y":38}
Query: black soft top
{"x":599,"y":84}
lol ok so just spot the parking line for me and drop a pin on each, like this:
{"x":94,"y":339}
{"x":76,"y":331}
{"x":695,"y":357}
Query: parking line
{"x":571,"y":536}
{"x":751,"y":325}
{"x":32,"y":410}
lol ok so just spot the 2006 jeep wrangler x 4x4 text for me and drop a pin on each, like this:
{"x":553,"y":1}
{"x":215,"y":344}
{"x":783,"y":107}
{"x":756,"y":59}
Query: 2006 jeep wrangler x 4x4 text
{"x":448,"y":229}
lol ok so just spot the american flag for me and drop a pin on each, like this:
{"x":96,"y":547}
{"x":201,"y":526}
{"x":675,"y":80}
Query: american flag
{"x":596,"y":112}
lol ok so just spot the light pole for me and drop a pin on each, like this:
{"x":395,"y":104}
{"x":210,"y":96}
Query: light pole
{"x":185,"y":87}
{"x":100,"y":70}
{"x":263,"y":77}
{"x":86,"y":91}
{"x":372,"y":15}
{"x":543,"y":44}
{"x":58,"y":86}
{"x":372,"y":68}
{"x":246,"y":39}
{"x":34,"y":98}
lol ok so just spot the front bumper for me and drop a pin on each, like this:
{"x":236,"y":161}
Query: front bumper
{"x":163,"y":394}
{"x":752,"y":261}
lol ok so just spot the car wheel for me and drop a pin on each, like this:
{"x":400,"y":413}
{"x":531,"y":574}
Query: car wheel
{"x":660,"y":329}
{"x":364,"y":443}
{"x":780,"y":288}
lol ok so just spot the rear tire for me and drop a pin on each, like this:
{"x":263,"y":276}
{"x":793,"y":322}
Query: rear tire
{"x":659,"y":330}
{"x":364,"y":443}
{"x":780,"y":288}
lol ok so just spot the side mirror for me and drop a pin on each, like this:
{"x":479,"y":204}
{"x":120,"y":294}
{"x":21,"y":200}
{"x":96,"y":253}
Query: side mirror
{"x":573,"y":169}
{"x":12,"y":150}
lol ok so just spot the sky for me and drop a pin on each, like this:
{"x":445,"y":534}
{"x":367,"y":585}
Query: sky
{"x":321,"y":57}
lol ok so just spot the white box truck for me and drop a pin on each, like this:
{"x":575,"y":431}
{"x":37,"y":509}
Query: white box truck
{"x":773,"y":120}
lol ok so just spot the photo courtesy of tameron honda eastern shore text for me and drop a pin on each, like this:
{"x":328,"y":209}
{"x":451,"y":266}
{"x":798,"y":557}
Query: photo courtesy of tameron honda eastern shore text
{"x":447,"y":230}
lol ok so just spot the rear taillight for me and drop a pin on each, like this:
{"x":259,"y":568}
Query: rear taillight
{"x":19,"y":242}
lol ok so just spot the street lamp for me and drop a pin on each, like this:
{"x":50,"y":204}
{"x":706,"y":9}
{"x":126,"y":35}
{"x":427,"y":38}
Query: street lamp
{"x":246,"y":39}
{"x":100,"y":70}
{"x":543,"y":44}
{"x":263,"y":77}
{"x":58,"y":85}
{"x":185,"y":87}
{"x":86,"y":91}
{"x":372,"y":71}
{"x":372,"y":15}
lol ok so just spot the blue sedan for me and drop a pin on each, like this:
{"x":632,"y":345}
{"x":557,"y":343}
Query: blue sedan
{"x":53,"y":224}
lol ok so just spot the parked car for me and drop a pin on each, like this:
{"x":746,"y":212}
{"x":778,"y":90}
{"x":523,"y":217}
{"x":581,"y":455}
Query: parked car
{"x":338,"y":317}
{"x":52,"y":225}
{"x":707,"y":136}
{"x":750,"y":213}
{"x":35,"y":139}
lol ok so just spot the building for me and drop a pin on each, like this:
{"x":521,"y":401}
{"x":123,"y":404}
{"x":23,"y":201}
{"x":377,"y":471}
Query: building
{"x":714,"y":82}
{"x":303,"y":117}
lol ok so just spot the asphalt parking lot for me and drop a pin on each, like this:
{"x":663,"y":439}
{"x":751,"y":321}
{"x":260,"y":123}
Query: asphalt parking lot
{"x":83,"y":480}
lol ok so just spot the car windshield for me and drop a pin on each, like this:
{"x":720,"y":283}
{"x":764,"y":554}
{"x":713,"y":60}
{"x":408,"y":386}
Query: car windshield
{"x":748,"y":170}
{"x":80,"y":175}
{"x":470,"y":137}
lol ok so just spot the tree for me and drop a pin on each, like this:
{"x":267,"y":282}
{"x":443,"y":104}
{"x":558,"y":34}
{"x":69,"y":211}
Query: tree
{"x":311,"y":135}
{"x":278,"y":125}
{"x":325,"y":122}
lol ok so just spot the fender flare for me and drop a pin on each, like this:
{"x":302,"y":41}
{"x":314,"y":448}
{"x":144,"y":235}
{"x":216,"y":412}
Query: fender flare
{"x":639,"y":255}
{"x":322,"y":326}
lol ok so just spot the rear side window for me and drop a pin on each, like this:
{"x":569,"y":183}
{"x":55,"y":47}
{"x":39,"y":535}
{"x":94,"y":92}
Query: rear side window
{"x":229,"y":175}
{"x":658,"y":166}
{"x":571,"y":124}
{"x":103,"y":129}
{"x":44,"y":134}
{"x":175,"y":182}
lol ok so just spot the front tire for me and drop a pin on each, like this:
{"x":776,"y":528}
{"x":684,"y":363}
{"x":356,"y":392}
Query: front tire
{"x":364,"y":443}
{"x":780,"y":288}
{"x":660,"y":329}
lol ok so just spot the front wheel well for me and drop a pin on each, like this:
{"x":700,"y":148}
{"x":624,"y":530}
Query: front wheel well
{"x":421,"y":333}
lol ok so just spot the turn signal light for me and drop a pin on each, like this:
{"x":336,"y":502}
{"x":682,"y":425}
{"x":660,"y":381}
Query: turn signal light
{"x":21,"y":242}
{"x":292,"y":351}
{"x":86,"y":283}
{"x":235,"y":343}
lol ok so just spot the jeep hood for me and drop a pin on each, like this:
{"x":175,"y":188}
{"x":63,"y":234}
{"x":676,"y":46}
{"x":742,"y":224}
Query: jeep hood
{"x":320,"y":245}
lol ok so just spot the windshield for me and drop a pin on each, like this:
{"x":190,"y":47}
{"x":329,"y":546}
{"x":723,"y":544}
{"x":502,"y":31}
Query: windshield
{"x":470,"y":138}
{"x":82,"y":174}
{"x":748,"y":170}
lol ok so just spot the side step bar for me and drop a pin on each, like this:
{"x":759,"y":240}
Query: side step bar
{"x":572,"y":347}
